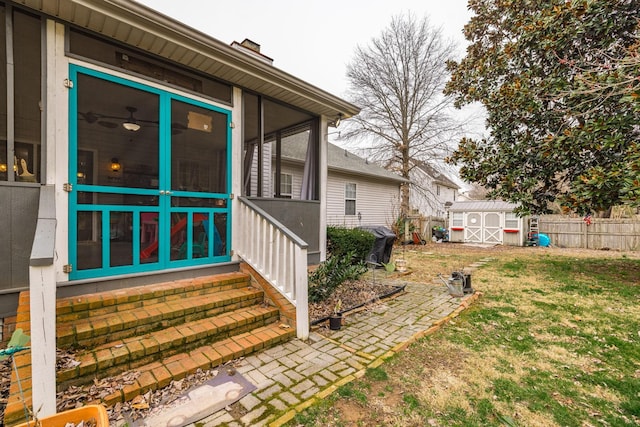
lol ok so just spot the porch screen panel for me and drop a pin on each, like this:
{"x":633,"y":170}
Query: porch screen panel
{"x":20,"y":86}
{"x":220,"y":234}
{"x":3,"y":95}
{"x":121,"y":239}
{"x":89,"y":236}
{"x":108,"y":153}
{"x":198,"y":149}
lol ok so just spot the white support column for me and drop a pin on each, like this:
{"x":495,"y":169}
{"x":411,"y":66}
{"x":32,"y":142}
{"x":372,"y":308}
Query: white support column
{"x":57,"y":137}
{"x":323,"y":166}
{"x":42,"y":285}
{"x":301,"y":293}
{"x":42,"y":270}
{"x":236,"y":170}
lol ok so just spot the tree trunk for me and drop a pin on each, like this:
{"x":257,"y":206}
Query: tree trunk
{"x":406,"y":168}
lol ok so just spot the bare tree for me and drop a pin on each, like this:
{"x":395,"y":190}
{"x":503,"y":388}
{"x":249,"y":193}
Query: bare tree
{"x":398,"y":82}
{"x":477,"y":192}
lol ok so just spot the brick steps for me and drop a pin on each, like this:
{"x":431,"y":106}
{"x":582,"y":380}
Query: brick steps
{"x":125,"y":322}
{"x":73,"y":308}
{"x":164,"y":331}
{"x":159,"y":374}
{"x":138,"y":350}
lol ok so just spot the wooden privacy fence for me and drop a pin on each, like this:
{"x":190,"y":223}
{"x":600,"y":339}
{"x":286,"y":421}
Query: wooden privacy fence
{"x":425,"y":224}
{"x":602,"y":233}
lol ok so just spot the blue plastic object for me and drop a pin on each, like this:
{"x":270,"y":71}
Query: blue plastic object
{"x":544,"y":240}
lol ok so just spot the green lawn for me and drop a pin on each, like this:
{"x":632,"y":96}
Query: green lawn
{"x":554,"y":340}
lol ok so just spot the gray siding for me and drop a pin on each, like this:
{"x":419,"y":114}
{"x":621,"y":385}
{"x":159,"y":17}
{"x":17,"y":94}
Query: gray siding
{"x":19,"y":211}
{"x":302,"y":217}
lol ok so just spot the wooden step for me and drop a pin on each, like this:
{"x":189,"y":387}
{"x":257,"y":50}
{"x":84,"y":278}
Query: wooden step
{"x":129,"y":353}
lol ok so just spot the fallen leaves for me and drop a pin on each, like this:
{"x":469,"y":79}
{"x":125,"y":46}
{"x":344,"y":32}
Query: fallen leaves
{"x":137,"y":408}
{"x":77,"y":396}
{"x":65,"y":360}
{"x":5,"y":383}
{"x":84,"y":423}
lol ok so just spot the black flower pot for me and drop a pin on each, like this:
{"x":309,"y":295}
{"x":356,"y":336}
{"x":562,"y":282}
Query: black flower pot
{"x":335,"y":322}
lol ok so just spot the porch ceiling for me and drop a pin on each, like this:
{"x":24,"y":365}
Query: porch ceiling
{"x":137,"y":25}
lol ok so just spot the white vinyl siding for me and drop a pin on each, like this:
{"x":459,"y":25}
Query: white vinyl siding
{"x":295,"y":173}
{"x":266,"y":171}
{"x":377,"y":201}
{"x":430,"y":197}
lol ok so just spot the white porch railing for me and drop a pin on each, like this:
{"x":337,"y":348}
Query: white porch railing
{"x":278,"y":255}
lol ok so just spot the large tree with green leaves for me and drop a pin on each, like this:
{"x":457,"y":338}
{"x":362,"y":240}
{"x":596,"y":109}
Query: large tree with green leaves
{"x":559,"y":81}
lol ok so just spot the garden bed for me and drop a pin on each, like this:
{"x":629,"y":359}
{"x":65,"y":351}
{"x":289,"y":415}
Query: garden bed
{"x":352,"y":295}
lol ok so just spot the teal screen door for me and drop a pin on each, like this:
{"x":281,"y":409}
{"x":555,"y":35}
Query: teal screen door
{"x":149,"y":173}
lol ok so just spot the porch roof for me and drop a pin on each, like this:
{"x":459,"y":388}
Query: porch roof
{"x":137,"y":25}
{"x":294,"y":149}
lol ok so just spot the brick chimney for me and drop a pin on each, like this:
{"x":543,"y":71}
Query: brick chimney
{"x":253,"y":49}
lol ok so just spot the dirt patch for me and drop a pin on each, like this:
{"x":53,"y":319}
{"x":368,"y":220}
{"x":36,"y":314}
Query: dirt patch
{"x":352,"y":411}
{"x":351,"y":295}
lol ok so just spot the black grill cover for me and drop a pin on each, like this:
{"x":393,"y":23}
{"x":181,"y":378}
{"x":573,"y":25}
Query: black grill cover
{"x":382,"y":246}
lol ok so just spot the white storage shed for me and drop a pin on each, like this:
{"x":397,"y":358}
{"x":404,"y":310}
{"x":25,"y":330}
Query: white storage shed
{"x":486,"y":222}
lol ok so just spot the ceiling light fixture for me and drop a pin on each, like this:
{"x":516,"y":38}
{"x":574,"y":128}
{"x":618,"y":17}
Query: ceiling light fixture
{"x":130,"y":124}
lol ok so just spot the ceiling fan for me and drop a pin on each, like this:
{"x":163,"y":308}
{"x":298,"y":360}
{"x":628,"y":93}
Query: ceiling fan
{"x":129,"y":123}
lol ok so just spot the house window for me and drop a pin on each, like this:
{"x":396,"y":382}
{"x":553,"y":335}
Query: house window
{"x":437,"y":190}
{"x":350,"y":198}
{"x":286,"y":185}
{"x":456,"y":219}
{"x":511,"y":220}
{"x":454,"y":196}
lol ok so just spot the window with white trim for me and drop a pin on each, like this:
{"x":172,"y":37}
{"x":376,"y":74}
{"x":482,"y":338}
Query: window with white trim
{"x":511,"y":221}
{"x":286,"y":185}
{"x":456,"y":219}
{"x":350,"y":198}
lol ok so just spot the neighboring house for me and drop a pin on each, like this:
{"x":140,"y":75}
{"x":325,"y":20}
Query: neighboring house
{"x":358,"y":192}
{"x":431,"y":191}
{"x":486,"y":222}
{"x":126,"y":145}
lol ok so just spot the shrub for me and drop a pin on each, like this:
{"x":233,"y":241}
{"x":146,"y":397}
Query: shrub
{"x":330,"y":274}
{"x":341,"y":241}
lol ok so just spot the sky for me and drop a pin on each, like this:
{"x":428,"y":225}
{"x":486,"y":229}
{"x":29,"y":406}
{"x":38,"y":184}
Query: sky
{"x":316,"y":40}
{"x":309,"y":39}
